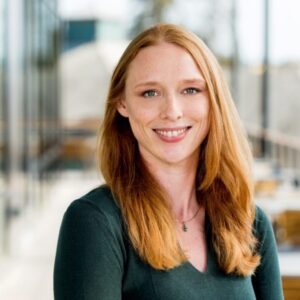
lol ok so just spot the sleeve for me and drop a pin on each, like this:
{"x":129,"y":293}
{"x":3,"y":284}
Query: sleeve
{"x":266,"y":279}
{"x":89,"y":262}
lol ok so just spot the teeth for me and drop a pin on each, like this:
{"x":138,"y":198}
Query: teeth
{"x":171,"y":133}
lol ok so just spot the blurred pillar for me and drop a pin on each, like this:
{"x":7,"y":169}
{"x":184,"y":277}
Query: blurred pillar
{"x":235,"y":53}
{"x":265,"y":82}
{"x":14,"y":94}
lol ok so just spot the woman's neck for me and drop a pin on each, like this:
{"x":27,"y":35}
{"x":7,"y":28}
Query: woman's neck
{"x":179,"y":184}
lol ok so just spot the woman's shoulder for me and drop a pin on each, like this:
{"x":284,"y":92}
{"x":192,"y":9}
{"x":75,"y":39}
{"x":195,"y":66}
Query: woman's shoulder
{"x":98,"y":204}
{"x":262,"y":226}
{"x":261,"y":218}
{"x":100,"y":199}
{"x":91,"y":236}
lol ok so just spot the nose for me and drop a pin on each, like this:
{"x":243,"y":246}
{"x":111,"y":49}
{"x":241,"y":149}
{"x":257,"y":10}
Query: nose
{"x":171,"y":108}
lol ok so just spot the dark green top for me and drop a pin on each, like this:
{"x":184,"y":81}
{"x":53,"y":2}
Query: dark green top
{"x":95,"y":260}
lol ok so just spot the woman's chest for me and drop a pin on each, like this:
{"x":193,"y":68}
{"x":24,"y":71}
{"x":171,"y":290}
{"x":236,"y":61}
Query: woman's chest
{"x":182,"y":283}
{"x":193,"y":243}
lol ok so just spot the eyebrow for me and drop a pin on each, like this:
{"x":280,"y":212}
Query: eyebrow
{"x":192,"y":80}
{"x":146,"y":83}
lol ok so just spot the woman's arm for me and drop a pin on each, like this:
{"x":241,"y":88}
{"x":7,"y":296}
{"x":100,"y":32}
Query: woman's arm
{"x":89,"y":260}
{"x":266,"y":280}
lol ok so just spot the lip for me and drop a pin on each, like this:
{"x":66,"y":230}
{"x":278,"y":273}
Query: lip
{"x":172,"y":139}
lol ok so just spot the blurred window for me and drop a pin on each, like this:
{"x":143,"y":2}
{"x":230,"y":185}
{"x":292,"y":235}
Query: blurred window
{"x":3,"y":125}
{"x":285,"y":67}
{"x":250,"y":39}
{"x":41,"y":91}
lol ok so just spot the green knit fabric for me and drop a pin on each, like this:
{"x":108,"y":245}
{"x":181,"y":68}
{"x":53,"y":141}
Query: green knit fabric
{"x":95,"y":260}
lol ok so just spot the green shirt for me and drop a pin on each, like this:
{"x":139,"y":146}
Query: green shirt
{"x":95,"y":260}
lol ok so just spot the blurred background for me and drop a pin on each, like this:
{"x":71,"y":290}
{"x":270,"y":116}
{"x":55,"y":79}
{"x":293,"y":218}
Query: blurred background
{"x":56,"y":58}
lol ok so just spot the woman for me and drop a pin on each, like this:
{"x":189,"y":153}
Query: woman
{"x":176,"y":218}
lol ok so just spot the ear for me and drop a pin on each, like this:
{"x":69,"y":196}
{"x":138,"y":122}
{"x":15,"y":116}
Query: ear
{"x":122,"y":108}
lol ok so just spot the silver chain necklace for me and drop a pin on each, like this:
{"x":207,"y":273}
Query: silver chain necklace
{"x":184,"y":226}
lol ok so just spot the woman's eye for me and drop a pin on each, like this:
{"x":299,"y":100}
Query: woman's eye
{"x":150,"y":93}
{"x":191,"y":90}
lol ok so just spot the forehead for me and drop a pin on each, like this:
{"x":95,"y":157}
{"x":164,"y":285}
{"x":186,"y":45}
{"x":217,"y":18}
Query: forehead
{"x":164,"y":59}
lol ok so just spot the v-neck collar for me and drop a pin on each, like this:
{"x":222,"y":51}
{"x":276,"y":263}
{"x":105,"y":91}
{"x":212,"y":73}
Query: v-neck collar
{"x":209,"y":252}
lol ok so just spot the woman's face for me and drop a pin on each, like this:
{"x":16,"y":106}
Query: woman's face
{"x":167,"y":104}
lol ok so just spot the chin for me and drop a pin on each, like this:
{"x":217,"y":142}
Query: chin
{"x":174,"y":160}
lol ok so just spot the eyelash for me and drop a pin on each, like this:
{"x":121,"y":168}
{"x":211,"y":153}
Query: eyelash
{"x":192,"y":88}
{"x":189,"y":88}
{"x":148,"y":91}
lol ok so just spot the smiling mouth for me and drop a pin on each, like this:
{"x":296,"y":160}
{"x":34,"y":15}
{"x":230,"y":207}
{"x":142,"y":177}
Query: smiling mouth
{"x":172,"y":132}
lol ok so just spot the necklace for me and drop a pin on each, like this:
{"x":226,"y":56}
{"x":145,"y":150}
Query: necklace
{"x":184,"y":225}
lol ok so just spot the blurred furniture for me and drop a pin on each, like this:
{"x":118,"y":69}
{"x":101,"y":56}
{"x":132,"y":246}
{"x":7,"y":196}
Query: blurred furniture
{"x":285,"y":199}
{"x":267,"y":178}
{"x":291,"y":287}
{"x":78,"y":149}
{"x":266,"y":186}
{"x":287,"y":227}
{"x":79,"y":143}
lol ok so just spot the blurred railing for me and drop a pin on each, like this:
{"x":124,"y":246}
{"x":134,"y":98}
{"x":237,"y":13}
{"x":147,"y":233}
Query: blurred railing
{"x":281,"y":149}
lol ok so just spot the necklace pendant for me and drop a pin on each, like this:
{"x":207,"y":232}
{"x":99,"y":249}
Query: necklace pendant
{"x":184,"y":227}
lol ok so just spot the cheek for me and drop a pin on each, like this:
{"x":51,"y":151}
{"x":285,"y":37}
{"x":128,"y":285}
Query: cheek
{"x":201,"y":116}
{"x":200,"y":112}
{"x":138,"y":119}
{"x":139,"y":131}
{"x":200,"y":107}
{"x":140,"y":115}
